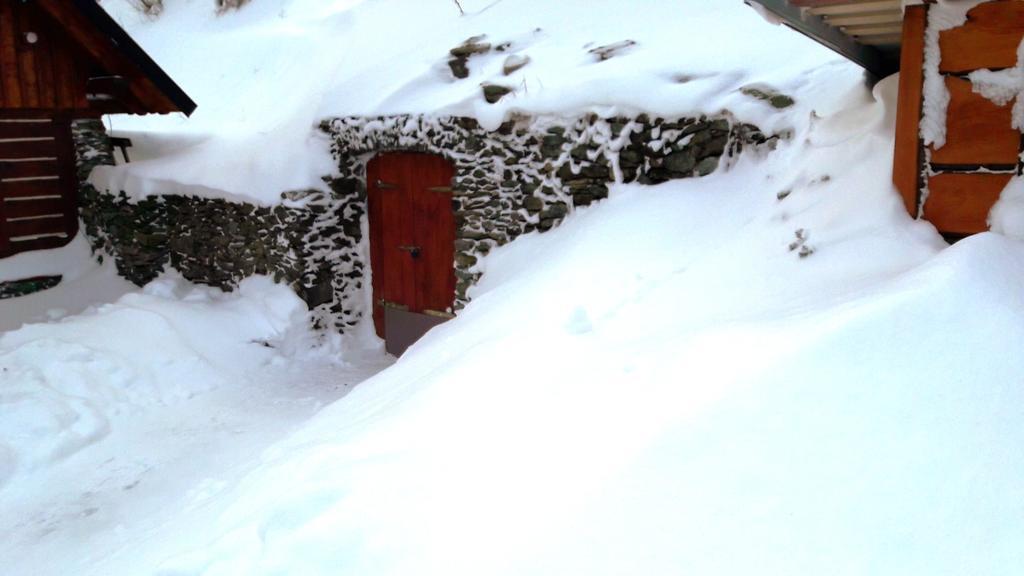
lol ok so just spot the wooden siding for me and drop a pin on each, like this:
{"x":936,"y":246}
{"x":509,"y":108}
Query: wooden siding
{"x":988,"y":40}
{"x":978,"y":132}
{"x":46,"y":74}
{"x":964,"y":177}
{"x":38,"y":185}
{"x":958,"y":204}
{"x":907,"y":163}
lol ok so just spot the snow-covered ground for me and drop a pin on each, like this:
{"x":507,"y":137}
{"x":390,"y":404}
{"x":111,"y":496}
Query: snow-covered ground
{"x":664,"y":386}
{"x":771,"y":370}
{"x":119,"y":419}
{"x":84,"y":283}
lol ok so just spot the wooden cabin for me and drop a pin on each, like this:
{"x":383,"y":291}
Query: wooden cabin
{"x":954,"y":185}
{"x":62,"y":60}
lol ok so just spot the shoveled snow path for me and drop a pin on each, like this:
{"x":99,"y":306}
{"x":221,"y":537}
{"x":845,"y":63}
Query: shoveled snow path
{"x":162,"y":464}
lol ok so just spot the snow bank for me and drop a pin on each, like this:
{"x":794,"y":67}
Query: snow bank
{"x":1007,"y":214}
{"x":670,"y":382}
{"x":265,"y":75}
{"x":84,"y":282}
{"x":62,"y":384}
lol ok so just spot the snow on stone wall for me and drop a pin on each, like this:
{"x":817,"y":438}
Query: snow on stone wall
{"x":532,"y":172}
{"x":526,"y":176}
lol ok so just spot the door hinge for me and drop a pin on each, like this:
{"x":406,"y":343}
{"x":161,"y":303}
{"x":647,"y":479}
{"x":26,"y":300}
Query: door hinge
{"x":441,"y":189}
{"x":392,"y":305}
{"x":382,"y":185}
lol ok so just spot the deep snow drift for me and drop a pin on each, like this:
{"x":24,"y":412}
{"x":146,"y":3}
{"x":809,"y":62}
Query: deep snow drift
{"x":663,"y":385}
{"x":84,"y":283}
{"x":771,"y":370}
{"x":133,"y":412}
{"x":265,"y":76}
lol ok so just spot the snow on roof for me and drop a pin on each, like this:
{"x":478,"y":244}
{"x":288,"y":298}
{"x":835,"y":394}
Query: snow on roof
{"x":268,"y":73}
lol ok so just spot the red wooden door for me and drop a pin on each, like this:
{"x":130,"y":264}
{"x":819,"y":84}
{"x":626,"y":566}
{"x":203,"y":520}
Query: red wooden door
{"x":412,"y":233}
{"x":38,"y":186}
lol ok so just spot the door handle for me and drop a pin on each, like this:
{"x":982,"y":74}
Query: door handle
{"x":413,"y":251}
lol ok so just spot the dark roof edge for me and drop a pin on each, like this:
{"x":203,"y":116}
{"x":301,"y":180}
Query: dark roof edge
{"x":106,"y":24}
{"x":870,"y":58}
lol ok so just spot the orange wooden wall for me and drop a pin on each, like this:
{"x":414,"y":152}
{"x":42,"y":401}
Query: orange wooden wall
{"x":965,"y":176}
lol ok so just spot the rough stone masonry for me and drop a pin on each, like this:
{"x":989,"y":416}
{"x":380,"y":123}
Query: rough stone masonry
{"x":524,"y":177}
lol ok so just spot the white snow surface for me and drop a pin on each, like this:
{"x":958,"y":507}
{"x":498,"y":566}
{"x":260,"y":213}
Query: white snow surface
{"x":142,"y":410}
{"x":1007,"y":214}
{"x":662,"y":385}
{"x":84,"y":283}
{"x":266,"y":75}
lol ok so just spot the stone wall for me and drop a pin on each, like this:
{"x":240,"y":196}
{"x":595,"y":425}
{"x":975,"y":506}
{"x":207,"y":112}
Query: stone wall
{"x":531,"y":173}
{"x":526,"y":176}
{"x":312,"y":243}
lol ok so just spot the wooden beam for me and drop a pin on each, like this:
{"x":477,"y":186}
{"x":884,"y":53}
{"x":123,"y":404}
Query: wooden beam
{"x":908,"y":157}
{"x":84,"y":34}
{"x":816,"y":28}
{"x":863,"y":19}
{"x":870,"y":7}
{"x":960,"y":203}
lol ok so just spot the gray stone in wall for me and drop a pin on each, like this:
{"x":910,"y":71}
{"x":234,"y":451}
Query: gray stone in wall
{"x":526,"y":176}
{"x":530,"y":173}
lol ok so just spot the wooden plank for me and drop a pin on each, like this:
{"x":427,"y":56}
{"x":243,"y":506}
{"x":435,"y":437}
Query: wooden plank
{"x":847,"y":4}
{"x":30,"y":189}
{"x":68,"y":173}
{"x":79,"y":29}
{"x":25,"y":129}
{"x":815,"y":27}
{"x":67,"y":89}
{"x":46,"y":77}
{"x":892,"y":17}
{"x":907,"y":160}
{"x":33,"y":208}
{"x":45,"y":243}
{"x":374,"y":211}
{"x":34,"y":227}
{"x":989,"y":39}
{"x":27,"y":65}
{"x":434,"y":231}
{"x":29,"y":169}
{"x":960,"y":203}
{"x":30,"y":147}
{"x":977,"y":130}
{"x":9,"y":57}
{"x":839,"y":8}
{"x":4,"y":239}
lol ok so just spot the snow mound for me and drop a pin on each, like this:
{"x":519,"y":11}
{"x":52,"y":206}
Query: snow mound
{"x":84,"y":282}
{"x":770,"y":370}
{"x":63,"y":383}
{"x":265,"y":76}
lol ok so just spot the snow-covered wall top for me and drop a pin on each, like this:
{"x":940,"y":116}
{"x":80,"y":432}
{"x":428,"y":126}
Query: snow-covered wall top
{"x":266,"y":74}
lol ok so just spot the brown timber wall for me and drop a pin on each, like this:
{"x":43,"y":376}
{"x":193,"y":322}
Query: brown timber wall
{"x":39,"y":69}
{"x":955,"y":186}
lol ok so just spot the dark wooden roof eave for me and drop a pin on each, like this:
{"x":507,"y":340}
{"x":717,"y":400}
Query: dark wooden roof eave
{"x":878,"y":62}
{"x":164,"y":95}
